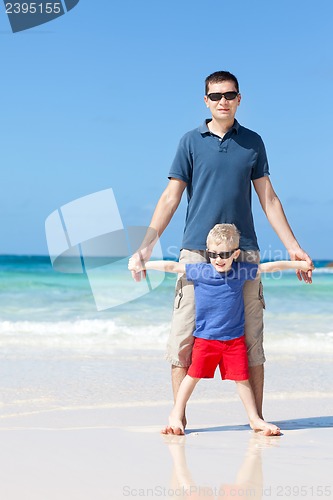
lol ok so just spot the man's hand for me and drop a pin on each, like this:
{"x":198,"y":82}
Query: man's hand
{"x":301,"y":255}
{"x":136,"y":263}
{"x":137,"y":267}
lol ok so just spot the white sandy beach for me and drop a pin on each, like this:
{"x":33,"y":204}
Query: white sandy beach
{"x":67,"y":441}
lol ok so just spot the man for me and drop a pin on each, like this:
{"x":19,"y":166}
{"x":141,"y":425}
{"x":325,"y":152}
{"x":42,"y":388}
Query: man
{"x":217,"y":163}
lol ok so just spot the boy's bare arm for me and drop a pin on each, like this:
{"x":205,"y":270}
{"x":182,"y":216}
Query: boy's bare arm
{"x":162,"y":265}
{"x":283,"y":265}
{"x":165,"y":265}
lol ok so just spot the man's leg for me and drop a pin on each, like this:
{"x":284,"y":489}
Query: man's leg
{"x":178,"y":373}
{"x":256,"y":380}
{"x":254,"y":331}
{"x":254,"y":340}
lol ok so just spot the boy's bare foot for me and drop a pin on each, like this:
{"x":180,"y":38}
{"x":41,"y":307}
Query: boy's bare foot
{"x":176,"y":426}
{"x":265,"y":428}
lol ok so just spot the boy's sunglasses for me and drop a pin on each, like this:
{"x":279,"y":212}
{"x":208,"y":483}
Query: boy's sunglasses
{"x":222,"y":255}
{"x":217,"y":96}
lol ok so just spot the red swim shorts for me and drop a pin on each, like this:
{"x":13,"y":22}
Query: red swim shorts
{"x":229,"y":355}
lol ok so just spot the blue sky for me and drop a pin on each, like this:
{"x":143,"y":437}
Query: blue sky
{"x":100,"y":97}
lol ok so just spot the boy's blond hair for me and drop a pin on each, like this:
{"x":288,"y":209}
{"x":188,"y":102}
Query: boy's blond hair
{"x":224,"y":233}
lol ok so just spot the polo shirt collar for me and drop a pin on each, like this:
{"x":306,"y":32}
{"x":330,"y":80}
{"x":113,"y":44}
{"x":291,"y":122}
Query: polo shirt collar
{"x":203,"y":129}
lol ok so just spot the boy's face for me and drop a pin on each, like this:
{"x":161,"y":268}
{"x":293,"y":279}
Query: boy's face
{"x":223,"y":263}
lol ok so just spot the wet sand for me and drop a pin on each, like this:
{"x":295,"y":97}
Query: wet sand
{"x":91,"y":449}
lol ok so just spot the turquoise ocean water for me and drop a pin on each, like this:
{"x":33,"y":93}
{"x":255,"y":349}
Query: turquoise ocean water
{"x":44,"y":309}
{"x":58,"y":352}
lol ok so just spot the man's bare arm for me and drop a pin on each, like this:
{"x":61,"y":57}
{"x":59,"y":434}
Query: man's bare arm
{"x":273,"y":209}
{"x":165,"y":208}
{"x":167,"y":205}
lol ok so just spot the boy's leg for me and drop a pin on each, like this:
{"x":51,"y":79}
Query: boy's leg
{"x":180,"y":343}
{"x":234,"y":366}
{"x":206,"y":355}
{"x":257,"y":424}
{"x":176,"y":425}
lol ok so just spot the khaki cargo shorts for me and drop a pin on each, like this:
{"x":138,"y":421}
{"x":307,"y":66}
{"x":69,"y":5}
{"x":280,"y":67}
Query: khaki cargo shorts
{"x":179,"y":346}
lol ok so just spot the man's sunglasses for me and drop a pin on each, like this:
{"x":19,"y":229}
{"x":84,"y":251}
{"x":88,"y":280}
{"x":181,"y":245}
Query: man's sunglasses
{"x":217,"y":96}
{"x":222,"y":255}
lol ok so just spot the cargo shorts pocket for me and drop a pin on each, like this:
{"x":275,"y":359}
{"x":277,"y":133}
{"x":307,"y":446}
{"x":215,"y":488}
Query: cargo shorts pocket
{"x":261,"y":295}
{"x":178,"y":293}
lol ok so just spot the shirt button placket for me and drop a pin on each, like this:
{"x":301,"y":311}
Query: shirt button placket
{"x":223,"y":146}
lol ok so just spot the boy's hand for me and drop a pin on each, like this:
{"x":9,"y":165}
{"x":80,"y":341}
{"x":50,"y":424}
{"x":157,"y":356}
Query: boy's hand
{"x":306,"y":275}
{"x":304,"y":266}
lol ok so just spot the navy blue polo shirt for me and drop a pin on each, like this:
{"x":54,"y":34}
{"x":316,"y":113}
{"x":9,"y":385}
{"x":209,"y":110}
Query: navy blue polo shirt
{"x":218,"y":173}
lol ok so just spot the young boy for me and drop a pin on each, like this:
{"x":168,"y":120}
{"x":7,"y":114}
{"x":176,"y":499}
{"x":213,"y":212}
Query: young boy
{"x":219,"y":334}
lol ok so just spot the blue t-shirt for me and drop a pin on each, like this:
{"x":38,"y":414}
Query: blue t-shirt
{"x":218,"y":173}
{"x":219,"y":301}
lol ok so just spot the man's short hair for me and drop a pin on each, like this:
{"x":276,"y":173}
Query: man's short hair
{"x":224,"y":233}
{"x":219,"y":77}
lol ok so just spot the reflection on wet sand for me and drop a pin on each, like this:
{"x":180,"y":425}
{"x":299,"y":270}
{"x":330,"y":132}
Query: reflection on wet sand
{"x":248,"y":481}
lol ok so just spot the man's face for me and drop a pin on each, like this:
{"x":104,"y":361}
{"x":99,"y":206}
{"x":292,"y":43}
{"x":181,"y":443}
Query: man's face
{"x":223,"y":110}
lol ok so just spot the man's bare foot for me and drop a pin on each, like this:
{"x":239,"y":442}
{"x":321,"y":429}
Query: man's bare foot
{"x":265,"y":428}
{"x":176,"y":426}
